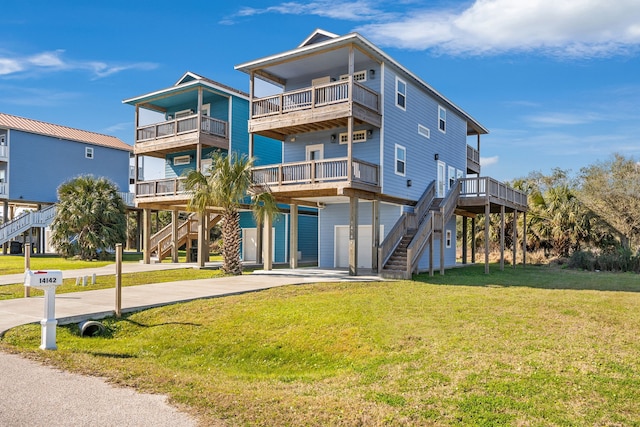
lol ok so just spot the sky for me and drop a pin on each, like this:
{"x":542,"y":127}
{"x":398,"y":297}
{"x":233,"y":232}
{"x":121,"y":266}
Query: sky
{"x":556,"y":82}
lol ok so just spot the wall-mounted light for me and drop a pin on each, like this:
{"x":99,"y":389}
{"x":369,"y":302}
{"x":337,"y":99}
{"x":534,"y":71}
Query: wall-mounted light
{"x":372,"y":73}
{"x":409,"y":183}
{"x":333,"y":138}
{"x":436,"y":157}
{"x":369,"y":133}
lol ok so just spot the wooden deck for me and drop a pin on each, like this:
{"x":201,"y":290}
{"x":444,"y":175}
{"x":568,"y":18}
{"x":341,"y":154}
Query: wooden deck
{"x":477,"y":193}
{"x":315,"y":108}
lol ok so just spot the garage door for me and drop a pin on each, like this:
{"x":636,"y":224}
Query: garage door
{"x":341,"y":249}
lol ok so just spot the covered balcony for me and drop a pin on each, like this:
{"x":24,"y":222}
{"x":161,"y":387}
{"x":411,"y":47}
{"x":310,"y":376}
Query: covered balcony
{"x":318,"y":177}
{"x":473,"y":160}
{"x":170,"y":136}
{"x":315,"y":108}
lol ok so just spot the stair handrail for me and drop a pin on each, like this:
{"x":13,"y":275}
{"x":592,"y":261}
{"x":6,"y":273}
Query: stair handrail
{"x":416,"y":247}
{"x":449,"y":203}
{"x":406,"y":222}
{"x":26,"y":220}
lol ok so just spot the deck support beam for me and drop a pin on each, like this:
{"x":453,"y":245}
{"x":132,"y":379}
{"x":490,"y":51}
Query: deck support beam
{"x":353,"y":236}
{"x":174,"y":236}
{"x":293,"y":236}
{"x":524,"y":239}
{"x":487,"y":225}
{"x":202,"y":240}
{"x":515,"y":237}
{"x":375,"y":234}
{"x":267,"y":243}
{"x":146,"y":236}
{"x":502,"y":231}
{"x":465,"y":239}
{"x":473,"y":240}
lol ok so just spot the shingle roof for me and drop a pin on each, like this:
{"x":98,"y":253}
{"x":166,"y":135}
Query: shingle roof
{"x":57,"y":131}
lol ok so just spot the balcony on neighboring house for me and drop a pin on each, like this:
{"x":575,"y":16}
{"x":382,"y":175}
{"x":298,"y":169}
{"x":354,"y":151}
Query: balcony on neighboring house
{"x":162,"y":190}
{"x":180,"y":134}
{"x":318,"y":107}
{"x":4,"y":190}
{"x":473,"y":160}
{"x":4,"y":153}
{"x":318,"y":177}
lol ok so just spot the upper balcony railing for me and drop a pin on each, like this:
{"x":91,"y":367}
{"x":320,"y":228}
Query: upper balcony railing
{"x":484,"y":187}
{"x":4,"y":152}
{"x":181,"y":126}
{"x":316,"y":96}
{"x":473,"y":159}
{"x":161,"y":187}
{"x":316,"y":171}
{"x":4,"y":189}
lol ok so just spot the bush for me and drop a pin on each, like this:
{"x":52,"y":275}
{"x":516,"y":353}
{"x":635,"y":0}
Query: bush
{"x":619,"y":259}
{"x":582,"y":260}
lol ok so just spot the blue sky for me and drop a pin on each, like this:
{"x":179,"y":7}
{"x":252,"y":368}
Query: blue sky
{"x":557,"y":83}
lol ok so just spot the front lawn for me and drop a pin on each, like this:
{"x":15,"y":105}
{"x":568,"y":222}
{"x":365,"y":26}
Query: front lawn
{"x":533,"y":346}
{"x":12,"y":264}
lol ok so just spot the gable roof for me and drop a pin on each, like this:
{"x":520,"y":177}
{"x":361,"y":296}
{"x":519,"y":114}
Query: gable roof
{"x":321,"y":41}
{"x":63,"y":132}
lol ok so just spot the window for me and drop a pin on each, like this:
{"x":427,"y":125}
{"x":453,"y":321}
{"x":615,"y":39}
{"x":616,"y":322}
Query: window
{"x":2,"y":140}
{"x":442,"y":119}
{"x":424,"y":131}
{"x":358,"y":76}
{"x":452,"y":177}
{"x":401,"y":94}
{"x":448,"y":239}
{"x":401,"y":160}
{"x":181,"y":160}
{"x":88,"y":152}
{"x":314,"y":152}
{"x":183,"y":113}
{"x":358,"y":136}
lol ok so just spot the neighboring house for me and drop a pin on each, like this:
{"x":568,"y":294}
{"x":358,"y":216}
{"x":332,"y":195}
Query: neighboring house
{"x":383,"y":154}
{"x":36,"y":157}
{"x":186,"y":123}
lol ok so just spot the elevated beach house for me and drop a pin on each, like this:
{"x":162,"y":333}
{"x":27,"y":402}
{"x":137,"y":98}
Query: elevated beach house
{"x":35,"y":158}
{"x":183,"y":125}
{"x":388,"y":160}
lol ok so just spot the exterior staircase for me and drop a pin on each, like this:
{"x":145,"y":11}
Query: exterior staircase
{"x":404,"y":245}
{"x":33,"y":219}
{"x":161,"y":243}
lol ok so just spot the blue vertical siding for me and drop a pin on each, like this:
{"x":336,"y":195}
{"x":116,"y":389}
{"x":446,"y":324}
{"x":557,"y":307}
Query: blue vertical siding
{"x":338,"y":214}
{"x":308,"y":236}
{"x":280,"y":236}
{"x":39,"y":164}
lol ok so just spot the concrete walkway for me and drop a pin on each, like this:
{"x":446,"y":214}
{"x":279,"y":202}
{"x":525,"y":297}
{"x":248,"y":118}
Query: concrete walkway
{"x":36,"y":395}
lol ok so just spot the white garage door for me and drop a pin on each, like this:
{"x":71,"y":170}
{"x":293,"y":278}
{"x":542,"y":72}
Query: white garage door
{"x":250,"y":243}
{"x":365,"y":240}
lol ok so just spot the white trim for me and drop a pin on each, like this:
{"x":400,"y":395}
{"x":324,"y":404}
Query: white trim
{"x":181,"y":160}
{"x":228,"y":92}
{"x":89,"y":153}
{"x":382,"y":127}
{"x":424,"y":131}
{"x":451,"y":176}
{"x":230,"y":126}
{"x":397,"y":92}
{"x":244,"y":246}
{"x":395,"y":163}
{"x":358,"y":136}
{"x":315,"y":147}
{"x":442,"y":122}
{"x":441,"y":185}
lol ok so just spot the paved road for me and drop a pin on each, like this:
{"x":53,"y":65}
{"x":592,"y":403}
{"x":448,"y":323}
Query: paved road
{"x":34,"y":395}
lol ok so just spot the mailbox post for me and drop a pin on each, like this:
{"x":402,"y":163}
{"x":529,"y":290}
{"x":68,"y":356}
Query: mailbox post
{"x":48,"y":280}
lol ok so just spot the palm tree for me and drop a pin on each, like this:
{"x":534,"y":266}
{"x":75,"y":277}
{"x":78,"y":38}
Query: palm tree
{"x":90,"y":218}
{"x":225,"y":186}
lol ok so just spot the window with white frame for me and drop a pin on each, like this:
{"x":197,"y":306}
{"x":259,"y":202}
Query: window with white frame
{"x":358,"y":136}
{"x":181,"y":160}
{"x":401,"y":94}
{"x":442,"y":119}
{"x":448,"y":239}
{"x":88,"y":152}
{"x":452,"y":176}
{"x":401,"y":160}
{"x":358,"y":76}
{"x":424,"y":131}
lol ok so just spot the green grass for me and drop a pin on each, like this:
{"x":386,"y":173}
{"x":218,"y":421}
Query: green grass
{"x":11,"y":264}
{"x":107,"y":282}
{"x":532,"y":346}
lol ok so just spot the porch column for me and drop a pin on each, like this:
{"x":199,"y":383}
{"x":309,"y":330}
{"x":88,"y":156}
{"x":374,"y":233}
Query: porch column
{"x":199,"y":120}
{"x":473,"y":240}
{"x":293,"y":236}
{"x":442,"y":239}
{"x":267,"y":243}
{"x":146,"y":235}
{"x":353,"y":235}
{"x":350,"y":123}
{"x":465,"y":240}
{"x":502,"y":238}
{"x":138,"y":231}
{"x":251,"y":151}
{"x":259,"y":240}
{"x":515,"y":237}
{"x":174,"y":236}
{"x":430,"y":254}
{"x":202,"y":240}
{"x":375,"y":234}
{"x":487,"y":225}
{"x":5,"y":218}
{"x":524,"y":239}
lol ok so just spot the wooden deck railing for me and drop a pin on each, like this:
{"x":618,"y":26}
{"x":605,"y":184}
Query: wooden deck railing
{"x":180,"y":126}
{"x":315,"y":97}
{"x":314,"y":171}
{"x":473,"y":157}
{"x":3,"y":151}
{"x":160,"y":187}
{"x":489,"y":187}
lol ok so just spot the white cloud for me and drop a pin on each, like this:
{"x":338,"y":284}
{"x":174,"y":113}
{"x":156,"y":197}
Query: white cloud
{"x":564,"y":119}
{"x":13,"y":65}
{"x":488,"y":161}
{"x":577,"y":28}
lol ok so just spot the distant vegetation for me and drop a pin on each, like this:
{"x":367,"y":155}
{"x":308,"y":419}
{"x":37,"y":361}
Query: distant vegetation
{"x":592,"y":218}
